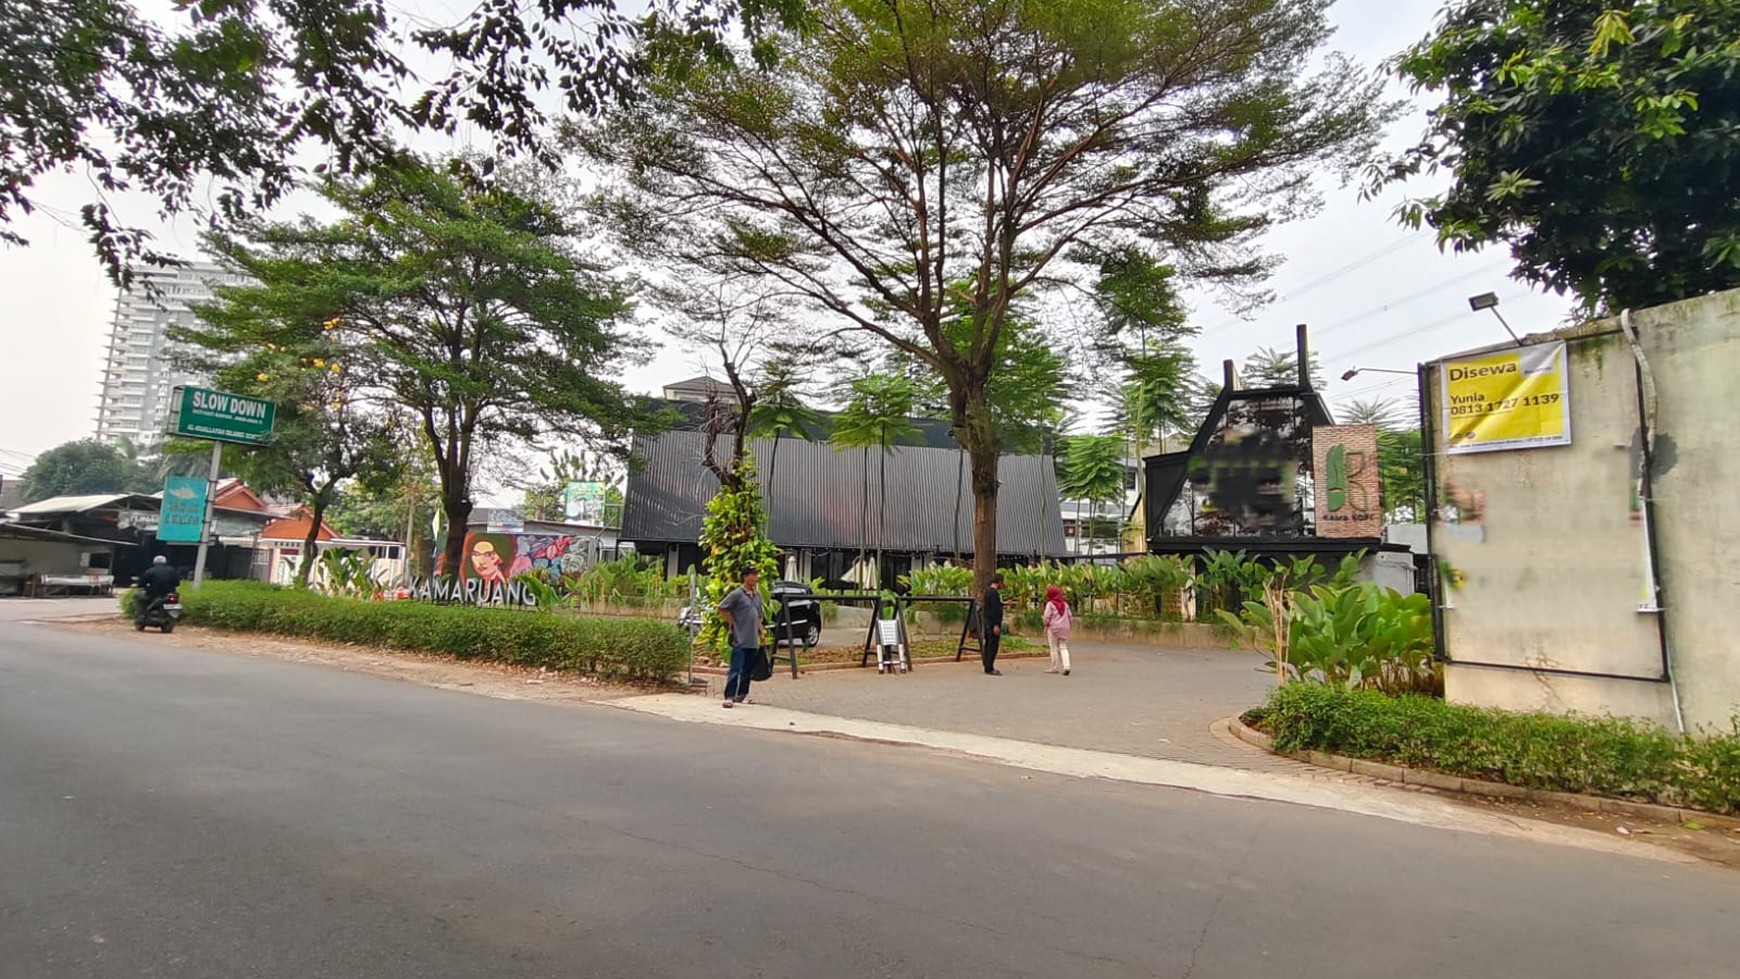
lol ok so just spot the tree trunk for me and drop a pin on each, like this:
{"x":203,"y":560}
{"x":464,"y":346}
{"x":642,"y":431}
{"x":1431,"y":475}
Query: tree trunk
{"x":881,"y":514}
{"x":960,"y":488}
{"x":864,"y":514}
{"x":767,"y":498}
{"x":316,"y":514}
{"x":457,"y":510}
{"x":984,"y":475}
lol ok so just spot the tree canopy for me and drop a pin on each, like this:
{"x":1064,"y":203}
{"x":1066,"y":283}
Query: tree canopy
{"x":1599,"y":141}
{"x":86,"y":467}
{"x":142,"y":98}
{"x":903,"y":161}
{"x":467,"y":308}
{"x":266,"y":341}
{"x":1269,"y":367}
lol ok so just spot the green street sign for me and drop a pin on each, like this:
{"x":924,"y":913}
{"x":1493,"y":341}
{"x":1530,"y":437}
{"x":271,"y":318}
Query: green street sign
{"x":205,"y":414}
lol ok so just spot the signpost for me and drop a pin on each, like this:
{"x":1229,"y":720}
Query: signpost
{"x":202,"y":413}
{"x":205,"y":414}
{"x":182,"y":520}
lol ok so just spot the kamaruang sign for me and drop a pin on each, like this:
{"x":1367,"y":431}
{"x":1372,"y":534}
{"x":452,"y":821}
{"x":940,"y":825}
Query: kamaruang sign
{"x":474,"y":591}
{"x":1347,"y":481}
{"x":204,"y":414}
{"x":1513,"y":399}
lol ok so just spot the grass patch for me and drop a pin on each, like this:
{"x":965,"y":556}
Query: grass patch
{"x":611,"y":648}
{"x":1606,"y":756}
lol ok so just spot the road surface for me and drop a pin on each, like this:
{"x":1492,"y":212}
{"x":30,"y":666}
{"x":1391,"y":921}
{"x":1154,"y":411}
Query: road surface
{"x":168,"y":812}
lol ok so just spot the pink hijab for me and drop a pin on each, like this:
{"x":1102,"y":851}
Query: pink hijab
{"x":1054,"y":595}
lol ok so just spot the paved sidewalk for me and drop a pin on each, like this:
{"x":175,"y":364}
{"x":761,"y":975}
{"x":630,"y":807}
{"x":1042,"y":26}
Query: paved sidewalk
{"x":1129,"y":699}
{"x":43,"y":609}
{"x":1363,"y":796}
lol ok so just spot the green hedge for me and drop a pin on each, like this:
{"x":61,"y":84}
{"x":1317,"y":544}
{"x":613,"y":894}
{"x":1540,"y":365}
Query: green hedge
{"x":1604,"y":756}
{"x":616,"y":648}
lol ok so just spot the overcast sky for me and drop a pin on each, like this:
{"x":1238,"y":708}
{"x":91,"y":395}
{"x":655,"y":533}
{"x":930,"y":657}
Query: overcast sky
{"x":1375,"y":294}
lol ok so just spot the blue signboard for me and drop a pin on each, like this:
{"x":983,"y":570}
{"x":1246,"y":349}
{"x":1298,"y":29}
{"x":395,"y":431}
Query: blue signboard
{"x":182,"y":519}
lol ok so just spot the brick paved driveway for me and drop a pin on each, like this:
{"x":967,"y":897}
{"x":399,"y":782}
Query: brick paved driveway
{"x":1137,"y":700}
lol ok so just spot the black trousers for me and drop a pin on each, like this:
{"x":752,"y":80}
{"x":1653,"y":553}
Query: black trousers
{"x":988,"y":649}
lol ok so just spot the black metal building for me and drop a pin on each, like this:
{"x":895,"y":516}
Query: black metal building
{"x":825,"y":506}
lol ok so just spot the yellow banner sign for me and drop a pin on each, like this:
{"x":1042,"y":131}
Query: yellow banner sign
{"x":1514,"y":399}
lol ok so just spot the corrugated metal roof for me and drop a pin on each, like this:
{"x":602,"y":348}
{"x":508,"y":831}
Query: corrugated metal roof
{"x":80,"y":504}
{"x":817,"y":497}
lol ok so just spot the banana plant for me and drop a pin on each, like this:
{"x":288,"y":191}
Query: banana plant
{"x":1354,"y":636}
{"x":347,"y":573}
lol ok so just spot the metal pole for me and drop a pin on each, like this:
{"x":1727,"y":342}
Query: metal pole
{"x":410,"y":526}
{"x":205,"y":525}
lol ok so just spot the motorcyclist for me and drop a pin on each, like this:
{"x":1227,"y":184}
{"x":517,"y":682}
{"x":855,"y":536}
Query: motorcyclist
{"x":158,"y":581}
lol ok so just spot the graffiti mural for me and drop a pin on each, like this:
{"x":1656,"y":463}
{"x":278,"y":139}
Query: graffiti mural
{"x":495,"y":556}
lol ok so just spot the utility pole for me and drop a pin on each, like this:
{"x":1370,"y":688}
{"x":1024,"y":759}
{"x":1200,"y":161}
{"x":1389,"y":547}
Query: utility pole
{"x":205,"y":526}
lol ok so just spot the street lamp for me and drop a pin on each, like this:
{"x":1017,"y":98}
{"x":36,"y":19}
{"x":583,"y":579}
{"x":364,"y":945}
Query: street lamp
{"x":1350,"y":375}
{"x":1489,"y":300}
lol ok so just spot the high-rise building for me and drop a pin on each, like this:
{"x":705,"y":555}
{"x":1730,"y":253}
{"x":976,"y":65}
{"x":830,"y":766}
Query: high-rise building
{"x":140,"y":371}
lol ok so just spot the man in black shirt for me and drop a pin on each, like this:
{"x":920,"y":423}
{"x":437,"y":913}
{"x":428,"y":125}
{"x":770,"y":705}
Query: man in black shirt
{"x":991,"y":622}
{"x":158,"y":580}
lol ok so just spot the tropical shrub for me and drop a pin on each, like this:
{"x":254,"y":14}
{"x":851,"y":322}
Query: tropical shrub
{"x":939,"y":579}
{"x":347,"y":573}
{"x":1343,"y":635}
{"x":633,"y":649}
{"x":1601,"y":755}
{"x":634,"y":581}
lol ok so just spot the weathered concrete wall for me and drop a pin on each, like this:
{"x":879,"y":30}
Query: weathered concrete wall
{"x":43,"y":557}
{"x":1543,"y":551}
{"x":1693,"y":350}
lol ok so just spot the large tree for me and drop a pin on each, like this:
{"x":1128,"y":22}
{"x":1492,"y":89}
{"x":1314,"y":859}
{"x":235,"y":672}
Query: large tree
{"x":468,"y":308}
{"x":1027,"y":391}
{"x":908,"y":158}
{"x":215,"y":104}
{"x":84,"y":467}
{"x":274,"y":340}
{"x":1600,"y":141}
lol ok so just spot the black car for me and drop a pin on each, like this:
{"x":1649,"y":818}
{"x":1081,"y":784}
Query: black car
{"x":799,"y":607}
{"x":804,"y":610}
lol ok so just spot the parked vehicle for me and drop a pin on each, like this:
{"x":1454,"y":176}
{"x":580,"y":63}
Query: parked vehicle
{"x":160,"y":612}
{"x":799,"y":607}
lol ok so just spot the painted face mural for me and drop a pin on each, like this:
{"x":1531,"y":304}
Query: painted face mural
{"x":488,"y":557}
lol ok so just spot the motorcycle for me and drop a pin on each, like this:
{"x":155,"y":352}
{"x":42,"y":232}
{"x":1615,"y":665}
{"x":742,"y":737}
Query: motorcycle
{"x":161,"y":612}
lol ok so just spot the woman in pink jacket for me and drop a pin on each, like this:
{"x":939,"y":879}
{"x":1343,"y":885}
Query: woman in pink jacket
{"x":1057,"y":620}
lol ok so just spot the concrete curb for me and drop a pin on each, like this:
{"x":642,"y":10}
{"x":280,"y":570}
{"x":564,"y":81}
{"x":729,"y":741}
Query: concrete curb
{"x":1361,"y":797}
{"x":783,"y":670}
{"x":1474,"y":786}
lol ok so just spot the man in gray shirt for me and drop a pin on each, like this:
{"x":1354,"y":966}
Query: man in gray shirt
{"x":741,"y":609}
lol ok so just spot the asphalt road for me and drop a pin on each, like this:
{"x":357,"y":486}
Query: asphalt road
{"x":167,"y":812}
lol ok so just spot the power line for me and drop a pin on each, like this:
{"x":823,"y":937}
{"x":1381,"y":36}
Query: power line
{"x":1317,"y":332}
{"x":1386,"y":341}
{"x":1331,"y":276}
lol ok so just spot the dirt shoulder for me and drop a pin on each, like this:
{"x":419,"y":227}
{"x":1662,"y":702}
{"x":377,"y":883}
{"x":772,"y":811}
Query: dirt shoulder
{"x":489,"y":679}
{"x":1704,"y":842}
